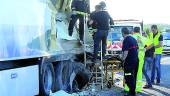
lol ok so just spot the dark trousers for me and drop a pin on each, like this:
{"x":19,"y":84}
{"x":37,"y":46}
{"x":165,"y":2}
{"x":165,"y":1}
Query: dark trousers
{"x":130,"y":74}
{"x":100,"y":35}
{"x":156,"y":68}
{"x":147,"y":66}
{"x":72,"y":23}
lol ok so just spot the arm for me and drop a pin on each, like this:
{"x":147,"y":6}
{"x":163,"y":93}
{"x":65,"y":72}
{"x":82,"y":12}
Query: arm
{"x":125,"y":53}
{"x":149,"y":47}
{"x":125,"y":48}
{"x":111,"y":21}
{"x":110,"y":18}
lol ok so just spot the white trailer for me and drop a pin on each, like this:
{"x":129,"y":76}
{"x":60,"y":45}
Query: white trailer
{"x":36,"y":54}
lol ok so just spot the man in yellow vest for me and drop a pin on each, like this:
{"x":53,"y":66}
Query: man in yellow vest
{"x":148,"y":61}
{"x":141,"y":40}
{"x":158,"y":44}
{"x":141,"y":43}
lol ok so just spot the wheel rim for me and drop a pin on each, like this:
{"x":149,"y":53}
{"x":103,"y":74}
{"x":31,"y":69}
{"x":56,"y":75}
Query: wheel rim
{"x":47,"y":80}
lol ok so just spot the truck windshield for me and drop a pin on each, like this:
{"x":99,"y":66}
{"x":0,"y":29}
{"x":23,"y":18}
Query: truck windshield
{"x":115,"y":33}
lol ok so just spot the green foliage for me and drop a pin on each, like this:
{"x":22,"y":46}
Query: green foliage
{"x":161,"y":27}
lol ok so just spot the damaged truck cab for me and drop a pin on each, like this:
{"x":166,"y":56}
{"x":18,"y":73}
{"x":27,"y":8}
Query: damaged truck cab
{"x":37,"y":56}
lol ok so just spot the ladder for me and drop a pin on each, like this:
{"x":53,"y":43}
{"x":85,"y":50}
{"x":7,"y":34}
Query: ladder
{"x":98,"y":71}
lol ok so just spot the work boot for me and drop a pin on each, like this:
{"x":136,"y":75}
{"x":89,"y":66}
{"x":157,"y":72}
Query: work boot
{"x":147,"y":86}
{"x":158,"y":82}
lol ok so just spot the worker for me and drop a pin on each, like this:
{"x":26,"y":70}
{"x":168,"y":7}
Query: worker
{"x":141,"y":43}
{"x":103,"y":6}
{"x":79,"y":8}
{"x":102,"y":19}
{"x":130,"y":58}
{"x":158,"y":44}
{"x":149,"y":55}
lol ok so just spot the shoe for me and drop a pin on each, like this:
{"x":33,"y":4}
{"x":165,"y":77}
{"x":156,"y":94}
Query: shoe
{"x":157,"y":83}
{"x":129,"y":94}
{"x":153,"y":82}
{"x":147,"y":86}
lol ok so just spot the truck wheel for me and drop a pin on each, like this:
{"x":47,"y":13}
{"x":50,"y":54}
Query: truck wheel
{"x":63,"y":71}
{"x":82,"y":75}
{"x":47,"y":79}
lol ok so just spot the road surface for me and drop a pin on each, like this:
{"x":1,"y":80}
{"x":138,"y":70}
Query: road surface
{"x":158,"y":90}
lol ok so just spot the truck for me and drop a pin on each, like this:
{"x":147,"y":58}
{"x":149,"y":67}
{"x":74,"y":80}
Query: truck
{"x":37,"y":56}
{"x":114,"y":40}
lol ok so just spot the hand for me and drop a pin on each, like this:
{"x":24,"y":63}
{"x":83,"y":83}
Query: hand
{"x":144,"y":49}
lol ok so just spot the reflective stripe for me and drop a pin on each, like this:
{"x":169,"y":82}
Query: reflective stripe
{"x":81,"y":13}
{"x":133,"y":47}
{"x":128,"y":74}
{"x":139,"y":81}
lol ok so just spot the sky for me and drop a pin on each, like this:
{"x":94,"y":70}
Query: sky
{"x":150,"y":11}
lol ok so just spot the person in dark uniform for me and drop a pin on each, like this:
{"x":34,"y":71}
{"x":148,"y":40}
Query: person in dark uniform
{"x":130,"y":58}
{"x":79,"y":8}
{"x":102,"y":19}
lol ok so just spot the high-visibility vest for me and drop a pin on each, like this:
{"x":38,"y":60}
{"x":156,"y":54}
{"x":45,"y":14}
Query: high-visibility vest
{"x":150,"y":36}
{"x":156,"y":42}
{"x":141,"y":40}
{"x":149,"y":39}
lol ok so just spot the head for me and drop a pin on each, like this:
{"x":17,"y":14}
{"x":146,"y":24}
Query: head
{"x":102,"y":4}
{"x":97,"y":8}
{"x":136,"y":29}
{"x":154,"y":29}
{"x":125,"y":32}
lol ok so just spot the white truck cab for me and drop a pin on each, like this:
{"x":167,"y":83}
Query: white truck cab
{"x":114,"y":40}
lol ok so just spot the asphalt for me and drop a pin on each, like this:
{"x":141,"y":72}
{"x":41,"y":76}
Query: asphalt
{"x":158,"y":90}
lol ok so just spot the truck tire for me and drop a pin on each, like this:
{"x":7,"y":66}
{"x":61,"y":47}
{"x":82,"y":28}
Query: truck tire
{"x":82,"y":75}
{"x":47,"y":79}
{"x":63,"y":71}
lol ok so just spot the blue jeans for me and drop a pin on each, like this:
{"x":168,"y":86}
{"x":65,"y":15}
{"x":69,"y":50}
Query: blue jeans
{"x":147,"y":66}
{"x":100,"y":35}
{"x":156,"y":67}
